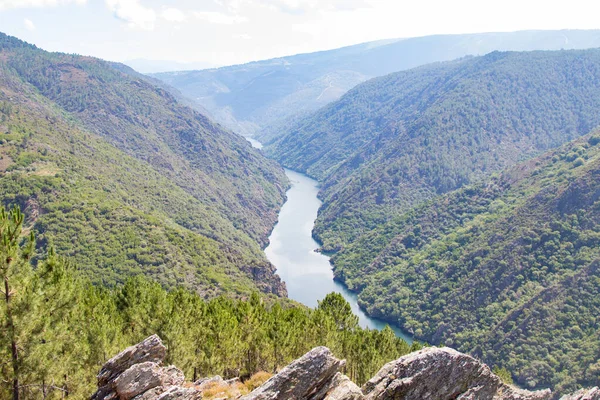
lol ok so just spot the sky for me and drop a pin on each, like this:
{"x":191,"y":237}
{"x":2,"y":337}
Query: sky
{"x":227,"y":32}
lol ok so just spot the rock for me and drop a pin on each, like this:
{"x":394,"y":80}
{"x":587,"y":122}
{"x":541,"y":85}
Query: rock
{"x":172,"y":393}
{"x":145,"y":376}
{"x":204,"y":382}
{"x":232,"y":381}
{"x":340,"y":388}
{"x":433,"y":373}
{"x":302,"y":379}
{"x":507,"y":392}
{"x":151,"y":349}
{"x":584,"y":394}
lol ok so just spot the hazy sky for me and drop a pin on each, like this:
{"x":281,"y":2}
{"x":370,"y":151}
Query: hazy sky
{"x":223,"y":32}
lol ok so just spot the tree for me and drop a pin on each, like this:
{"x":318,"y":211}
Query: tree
{"x":17,"y":276}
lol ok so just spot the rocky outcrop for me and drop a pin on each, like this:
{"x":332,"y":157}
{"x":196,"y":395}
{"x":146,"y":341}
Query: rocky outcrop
{"x":441,"y":373}
{"x":135,"y":373}
{"x":432,"y":373}
{"x":311,"y":377}
{"x":507,"y":392}
{"x":151,"y":349}
{"x":142,"y":377}
{"x":584,"y":394}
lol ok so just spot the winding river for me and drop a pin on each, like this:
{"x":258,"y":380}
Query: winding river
{"x":292,"y":249}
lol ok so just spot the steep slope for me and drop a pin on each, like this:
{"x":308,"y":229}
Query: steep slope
{"x":262,"y":97}
{"x":507,"y":270}
{"x":398,"y":140}
{"x":125,"y":180}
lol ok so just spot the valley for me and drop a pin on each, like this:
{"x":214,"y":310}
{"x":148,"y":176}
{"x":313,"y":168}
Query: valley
{"x":436,"y":190}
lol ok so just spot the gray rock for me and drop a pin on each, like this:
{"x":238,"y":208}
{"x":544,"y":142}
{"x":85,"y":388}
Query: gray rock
{"x":151,"y":349}
{"x":145,"y":376}
{"x":203,"y":383}
{"x":433,"y":373}
{"x":507,"y":392}
{"x":584,"y":394}
{"x":172,"y":393}
{"x":340,"y":388}
{"x":302,"y":379}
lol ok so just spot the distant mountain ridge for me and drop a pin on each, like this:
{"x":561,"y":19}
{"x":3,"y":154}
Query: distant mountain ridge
{"x":125,"y":180}
{"x":263,"y":97}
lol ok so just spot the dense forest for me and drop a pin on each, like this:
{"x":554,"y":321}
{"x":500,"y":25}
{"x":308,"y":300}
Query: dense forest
{"x":116,"y":174}
{"x":506,"y":269}
{"x":396,"y":141}
{"x":58,"y":328}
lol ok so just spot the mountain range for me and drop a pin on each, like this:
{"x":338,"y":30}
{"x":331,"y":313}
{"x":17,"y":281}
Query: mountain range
{"x":261,"y":98}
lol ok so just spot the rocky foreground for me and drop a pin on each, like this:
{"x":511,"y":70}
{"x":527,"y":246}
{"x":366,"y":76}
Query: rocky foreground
{"x":432,"y":373}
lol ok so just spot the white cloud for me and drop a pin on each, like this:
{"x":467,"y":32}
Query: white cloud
{"x":133,"y":12}
{"x":8,"y":4}
{"x":300,"y":7}
{"x":243,"y":36}
{"x":29,"y":25}
{"x":214,"y":17}
{"x":173,"y":15}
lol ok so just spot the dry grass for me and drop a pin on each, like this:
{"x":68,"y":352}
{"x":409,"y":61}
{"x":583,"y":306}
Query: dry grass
{"x":257,"y":380}
{"x":220,"y":390}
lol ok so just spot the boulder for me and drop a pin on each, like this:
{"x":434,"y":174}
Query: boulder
{"x":584,"y":394}
{"x":172,"y":393}
{"x":203,"y":383}
{"x":302,"y":379}
{"x":145,"y":376}
{"x":507,"y":392}
{"x":433,"y":373}
{"x":151,"y":349}
{"x":340,"y":388}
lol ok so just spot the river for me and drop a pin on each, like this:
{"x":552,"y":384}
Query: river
{"x":292,"y":249}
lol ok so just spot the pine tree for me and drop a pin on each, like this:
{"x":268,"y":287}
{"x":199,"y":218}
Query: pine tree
{"x":17,"y":307}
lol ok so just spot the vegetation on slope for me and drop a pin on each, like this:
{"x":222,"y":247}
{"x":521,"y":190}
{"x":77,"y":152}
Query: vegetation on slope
{"x":64,"y":328}
{"x":396,"y":141}
{"x":507,"y":269}
{"x":123,"y":191}
{"x":262,"y":97}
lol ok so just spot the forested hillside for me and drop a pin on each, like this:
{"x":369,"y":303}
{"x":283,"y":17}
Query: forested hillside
{"x":507,"y":269}
{"x":59,"y":329}
{"x":116,"y":174}
{"x":263,"y":97}
{"x":396,"y":141}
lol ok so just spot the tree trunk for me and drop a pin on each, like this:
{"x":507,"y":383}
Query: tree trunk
{"x":13,"y":340}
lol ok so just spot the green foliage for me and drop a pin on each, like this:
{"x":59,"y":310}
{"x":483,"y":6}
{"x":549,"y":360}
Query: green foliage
{"x":396,"y":141}
{"x":503,"y":374}
{"x":119,"y":176}
{"x":65,"y":328}
{"x":504,"y":269}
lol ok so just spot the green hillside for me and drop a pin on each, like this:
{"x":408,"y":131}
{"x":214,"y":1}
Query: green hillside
{"x":120,"y":177}
{"x":506,"y":269}
{"x":396,"y":141}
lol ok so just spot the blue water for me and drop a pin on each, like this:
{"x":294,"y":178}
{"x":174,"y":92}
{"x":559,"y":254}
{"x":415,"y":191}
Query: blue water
{"x":307,"y":273}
